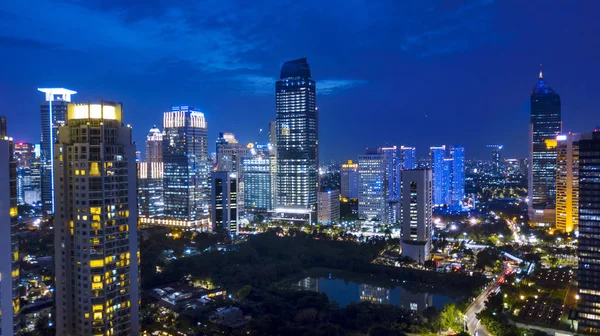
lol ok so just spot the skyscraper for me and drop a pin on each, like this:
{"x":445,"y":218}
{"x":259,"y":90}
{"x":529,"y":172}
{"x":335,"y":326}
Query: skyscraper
{"x":186,"y":168}
{"x":229,"y":152}
{"x":588,"y":249}
{"x":457,"y":153}
{"x":96,"y":241}
{"x":9,"y":226}
{"x":416,"y":213}
{"x":154,"y":145}
{"x":224,"y":202}
{"x":567,"y":182}
{"x":496,"y":158}
{"x":438,"y":154}
{"x":257,"y":181}
{"x":372,"y":191}
{"x":28,"y":188}
{"x":53,"y":112}
{"x":349,"y":180}
{"x":297,"y":137}
{"x":328,"y":207}
{"x":545,"y":125}
{"x":408,"y":157}
{"x":392,"y":178}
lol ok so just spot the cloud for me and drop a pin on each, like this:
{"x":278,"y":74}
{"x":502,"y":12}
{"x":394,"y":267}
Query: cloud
{"x":170,"y":35}
{"x":265,"y":85}
{"x":331,"y":86}
{"x":17,"y":42}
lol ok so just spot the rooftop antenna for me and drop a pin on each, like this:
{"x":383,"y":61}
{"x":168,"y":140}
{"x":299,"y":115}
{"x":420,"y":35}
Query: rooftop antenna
{"x":541,"y":68}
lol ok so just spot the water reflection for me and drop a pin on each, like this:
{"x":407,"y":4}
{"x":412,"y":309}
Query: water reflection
{"x":344,"y":292}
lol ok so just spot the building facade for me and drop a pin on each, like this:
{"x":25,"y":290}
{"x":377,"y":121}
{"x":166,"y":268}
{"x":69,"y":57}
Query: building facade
{"x":438,"y":166}
{"x":328,"y":207}
{"x":10,"y":303}
{"x":154,"y":145}
{"x":186,"y":172}
{"x":408,"y":157}
{"x":392,"y":177}
{"x":297,"y":137}
{"x":567,"y":182}
{"x":588,"y":249}
{"x":258,"y":180}
{"x":229,"y":152}
{"x":497,"y":161}
{"x":349,"y":180}
{"x":372,"y":191}
{"x":96,"y":241}
{"x":457,"y":153}
{"x":545,"y":125}
{"x":53,"y":113}
{"x":417,"y":205}
{"x":224,"y":202}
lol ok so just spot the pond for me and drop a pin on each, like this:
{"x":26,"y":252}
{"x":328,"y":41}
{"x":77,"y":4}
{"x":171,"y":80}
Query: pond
{"x":344,"y":292}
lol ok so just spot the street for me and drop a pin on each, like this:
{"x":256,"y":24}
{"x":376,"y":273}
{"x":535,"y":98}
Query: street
{"x":476,"y":306}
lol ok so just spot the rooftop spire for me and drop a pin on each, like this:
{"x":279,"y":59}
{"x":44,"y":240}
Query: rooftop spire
{"x":541,"y":68}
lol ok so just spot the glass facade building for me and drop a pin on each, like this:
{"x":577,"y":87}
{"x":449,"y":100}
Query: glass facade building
{"x":567,"y":182}
{"x":438,"y":167}
{"x":53,"y":113}
{"x":372,"y":189}
{"x":297,"y":137}
{"x":408,"y":157}
{"x":349,"y":180}
{"x":10,"y":302}
{"x":545,"y":125}
{"x":457,"y":153}
{"x":588,"y":249}
{"x":186,"y":172}
{"x":95,"y":233}
{"x":224,"y":202}
{"x":258,"y":180}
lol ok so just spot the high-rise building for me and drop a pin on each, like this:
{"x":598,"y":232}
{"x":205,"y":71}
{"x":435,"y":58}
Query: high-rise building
{"x":372,"y":190}
{"x":447,"y":181}
{"x":349,"y":180}
{"x":567,"y":182}
{"x":408,"y":157}
{"x":457,"y":153}
{"x":154,"y":145}
{"x":224,"y":202}
{"x":328,"y":206}
{"x":28,"y":165}
{"x":392,"y":178}
{"x":297,"y":137}
{"x":229,"y":152}
{"x":53,"y":113}
{"x":438,"y":166}
{"x":545,"y":125}
{"x":588,"y":248}
{"x":10,"y":305}
{"x":96,"y":240}
{"x":151,"y":203}
{"x":186,"y":174}
{"x":416,"y":213}
{"x":496,"y":158}
{"x":257,"y":181}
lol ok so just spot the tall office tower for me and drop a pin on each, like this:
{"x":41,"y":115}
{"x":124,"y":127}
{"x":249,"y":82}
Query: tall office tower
{"x":9,"y":226}
{"x":24,"y":154}
{"x":438,"y":166}
{"x":328,"y":212}
{"x":229,"y":152}
{"x":349,"y":180}
{"x":273,"y":134}
{"x":95,"y":234}
{"x":372,"y":191}
{"x":224,"y":202}
{"x":297,"y":137}
{"x":54,"y":111}
{"x":151,"y":202}
{"x":457,"y":153}
{"x":392,"y":177}
{"x":545,"y":125}
{"x":186,"y":168}
{"x":567,"y":182}
{"x":408,"y":157}
{"x":416,"y":213}
{"x":258,"y":180}
{"x":588,"y":249}
{"x":154,"y":145}
{"x":496,"y":158}
{"x":447,"y":181}
{"x":273,"y":159}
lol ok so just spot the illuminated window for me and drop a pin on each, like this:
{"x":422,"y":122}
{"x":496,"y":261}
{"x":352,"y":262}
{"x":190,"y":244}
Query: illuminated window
{"x":96,"y":263}
{"x":94,"y":169}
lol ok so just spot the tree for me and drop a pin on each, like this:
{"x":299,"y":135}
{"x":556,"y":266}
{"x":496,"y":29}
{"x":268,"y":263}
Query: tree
{"x":244,"y":291}
{"x":451,"y":318}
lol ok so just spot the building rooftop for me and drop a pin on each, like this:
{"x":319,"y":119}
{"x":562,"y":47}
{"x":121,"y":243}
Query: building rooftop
{"x":295,"y":68}
{"x":542,"y":87}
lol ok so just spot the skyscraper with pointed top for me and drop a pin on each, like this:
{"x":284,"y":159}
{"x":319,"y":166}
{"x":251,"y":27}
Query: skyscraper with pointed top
{"x":297,"y":137}
{"x":545,"y":124}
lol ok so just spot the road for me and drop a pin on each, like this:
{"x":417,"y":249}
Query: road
{"x":476,"y":306}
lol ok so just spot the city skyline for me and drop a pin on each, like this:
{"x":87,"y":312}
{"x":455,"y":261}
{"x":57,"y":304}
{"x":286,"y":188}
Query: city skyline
{"x":488,"y":53}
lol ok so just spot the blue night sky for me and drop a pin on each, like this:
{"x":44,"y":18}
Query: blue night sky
{"x":415,"y":73}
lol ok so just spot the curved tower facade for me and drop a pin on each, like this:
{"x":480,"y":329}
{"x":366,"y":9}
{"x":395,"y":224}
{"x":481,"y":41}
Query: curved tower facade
{"x":545,"y":125}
